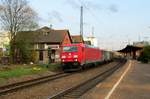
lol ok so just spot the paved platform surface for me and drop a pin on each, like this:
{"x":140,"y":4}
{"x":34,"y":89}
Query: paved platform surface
{"x":130,"y":82}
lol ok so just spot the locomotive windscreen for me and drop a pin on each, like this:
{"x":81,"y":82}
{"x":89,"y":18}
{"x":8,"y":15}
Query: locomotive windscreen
{"x":70,"y":49}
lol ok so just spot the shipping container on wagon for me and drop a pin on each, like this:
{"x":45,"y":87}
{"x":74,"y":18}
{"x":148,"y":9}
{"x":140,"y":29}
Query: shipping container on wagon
{"x":107,"y":55}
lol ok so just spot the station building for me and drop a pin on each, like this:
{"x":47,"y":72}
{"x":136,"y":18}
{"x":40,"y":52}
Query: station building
{"x":44,"y":39}
{"x":141,"y":44}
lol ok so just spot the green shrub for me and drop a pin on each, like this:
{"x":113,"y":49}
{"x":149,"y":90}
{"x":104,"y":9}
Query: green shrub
{"x":145,"y":55}
{"x":34,"y":56}
{"x":23,"y":51}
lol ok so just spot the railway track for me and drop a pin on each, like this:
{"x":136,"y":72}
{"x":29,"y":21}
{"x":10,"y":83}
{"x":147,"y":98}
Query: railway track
{"x":19,"y":85}
{"x":79,"y":90}
{"x":28,"y":83}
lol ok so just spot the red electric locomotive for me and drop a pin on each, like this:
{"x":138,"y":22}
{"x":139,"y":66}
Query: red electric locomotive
{"x":77,"y":56}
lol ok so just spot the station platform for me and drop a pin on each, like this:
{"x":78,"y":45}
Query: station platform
{"x":132,"y":81}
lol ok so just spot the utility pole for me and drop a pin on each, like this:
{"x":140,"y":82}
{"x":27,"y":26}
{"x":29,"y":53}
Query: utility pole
{"x":139,"y":37}
{"x":81,"y":21}
{"x":51,"y":26}
{"x":92,"y":31}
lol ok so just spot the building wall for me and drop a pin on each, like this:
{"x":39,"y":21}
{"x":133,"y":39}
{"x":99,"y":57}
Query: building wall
{"x":45,"y":57}
{"x":4,"y":39}
{"x":93,"y":41}
{"x":56,"y":47}
{"x":66,"y":40}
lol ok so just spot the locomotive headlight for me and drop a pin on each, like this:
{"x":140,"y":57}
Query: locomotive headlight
{"x":75,"y":56}
{"x":75,"y":59}
{"x":63,"y":56}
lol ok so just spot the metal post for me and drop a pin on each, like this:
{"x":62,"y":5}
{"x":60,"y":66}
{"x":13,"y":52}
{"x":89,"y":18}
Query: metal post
{"x":81,"y":22}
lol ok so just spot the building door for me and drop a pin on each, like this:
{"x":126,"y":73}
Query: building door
{"x":53,"y":56}
{"x":41,"y":55}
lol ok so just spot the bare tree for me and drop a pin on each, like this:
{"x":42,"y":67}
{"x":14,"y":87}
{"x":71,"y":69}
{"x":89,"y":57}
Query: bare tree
{"x":16,"y":15}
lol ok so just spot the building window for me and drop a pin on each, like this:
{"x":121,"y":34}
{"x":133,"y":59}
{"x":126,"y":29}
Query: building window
{"x":41,"y":46}
{"x":36,"y":46}
{"x":45,"y":33}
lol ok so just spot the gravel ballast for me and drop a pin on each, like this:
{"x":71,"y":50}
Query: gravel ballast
{"x":43,"y":91}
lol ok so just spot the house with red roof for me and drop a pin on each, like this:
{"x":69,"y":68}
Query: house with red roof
{"x":46,"y":42}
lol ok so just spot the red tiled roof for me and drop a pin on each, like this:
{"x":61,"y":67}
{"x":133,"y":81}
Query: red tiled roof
{"x":77,"y":39}
{"x":44,"y":35}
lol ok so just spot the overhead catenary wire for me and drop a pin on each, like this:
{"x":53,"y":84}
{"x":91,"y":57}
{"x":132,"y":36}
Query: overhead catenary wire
{"x":97,"y":20}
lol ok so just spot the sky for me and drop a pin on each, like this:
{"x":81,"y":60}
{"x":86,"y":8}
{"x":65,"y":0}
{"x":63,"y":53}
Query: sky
{"x":116,"y":22}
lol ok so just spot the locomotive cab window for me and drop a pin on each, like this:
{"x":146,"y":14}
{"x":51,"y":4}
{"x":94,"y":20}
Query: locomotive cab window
{"x":70,"y":48}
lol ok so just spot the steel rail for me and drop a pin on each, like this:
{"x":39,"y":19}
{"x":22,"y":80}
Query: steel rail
{"x":28,"y":83}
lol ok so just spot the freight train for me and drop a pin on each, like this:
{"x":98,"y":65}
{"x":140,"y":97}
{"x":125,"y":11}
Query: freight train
{"x":79,"y":56}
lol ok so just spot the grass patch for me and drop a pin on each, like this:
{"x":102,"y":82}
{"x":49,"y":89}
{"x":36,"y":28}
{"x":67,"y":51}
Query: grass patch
{"x":20,"y":71}
{"x":52,"y":66}
{"x":55,"y":66}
